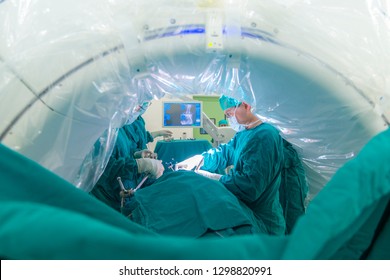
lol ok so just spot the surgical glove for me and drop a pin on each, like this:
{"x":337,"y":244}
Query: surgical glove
{"x":190,"y":163}
{"x":210,"y":175}
{"x":153,"y":167}
{"x":164,"y":133}
{"x":145,"y":154}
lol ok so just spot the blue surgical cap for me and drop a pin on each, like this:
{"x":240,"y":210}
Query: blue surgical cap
{"x":227,"y":102}
{"x":221,"y":122}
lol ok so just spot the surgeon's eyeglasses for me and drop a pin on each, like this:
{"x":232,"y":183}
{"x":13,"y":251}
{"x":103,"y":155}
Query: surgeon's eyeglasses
{"x":231,"y":111}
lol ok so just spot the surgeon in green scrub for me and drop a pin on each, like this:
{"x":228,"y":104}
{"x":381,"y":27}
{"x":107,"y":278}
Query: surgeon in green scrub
{"x":256,"y":153}
{"x":130,"y":160}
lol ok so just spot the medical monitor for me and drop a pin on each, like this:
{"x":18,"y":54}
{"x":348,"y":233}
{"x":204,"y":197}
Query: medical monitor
{"x":182,"y":114}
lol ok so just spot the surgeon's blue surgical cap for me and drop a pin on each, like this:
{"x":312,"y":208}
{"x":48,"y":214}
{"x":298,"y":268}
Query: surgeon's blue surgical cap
{"x":222,"y":122}
{"x":226,"y":102}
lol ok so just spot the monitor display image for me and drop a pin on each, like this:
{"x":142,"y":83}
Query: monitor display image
{"x":182,"y":114}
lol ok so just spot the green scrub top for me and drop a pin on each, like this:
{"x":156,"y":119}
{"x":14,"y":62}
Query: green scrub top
{"x":293,"y":188}
{"x":131,"y":138}
{"x":257,"y":157}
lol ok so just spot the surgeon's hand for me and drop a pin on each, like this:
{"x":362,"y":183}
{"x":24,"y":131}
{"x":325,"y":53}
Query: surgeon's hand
{"x":145,"y":154}
{"x":190,"y":163}
{"x":210,"y":175}
{"x":164,"y":133}
{"x":153,"y":167}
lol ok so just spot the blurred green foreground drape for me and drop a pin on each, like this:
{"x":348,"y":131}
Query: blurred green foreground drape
{"x":44,"y":217}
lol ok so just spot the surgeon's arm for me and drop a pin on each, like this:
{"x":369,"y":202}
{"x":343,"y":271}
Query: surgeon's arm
{"x":159,"y":133}
{"x":220,"y":157}
{"x":149,"y":137}
{"x":191,"y":163}
{"x":124,"y":167}
{"x":210,"y":175}
{"x":211,"y":160}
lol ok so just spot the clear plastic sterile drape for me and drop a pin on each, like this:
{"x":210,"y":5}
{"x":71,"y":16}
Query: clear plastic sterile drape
{"x":72,"y":73}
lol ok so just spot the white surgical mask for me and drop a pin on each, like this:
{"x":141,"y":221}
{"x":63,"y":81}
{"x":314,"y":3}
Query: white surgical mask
{"x":234,"y":124}
{"x":237,"y":126}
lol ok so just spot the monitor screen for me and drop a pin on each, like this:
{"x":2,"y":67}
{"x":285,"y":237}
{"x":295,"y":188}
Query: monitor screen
{"x":182,"y":114}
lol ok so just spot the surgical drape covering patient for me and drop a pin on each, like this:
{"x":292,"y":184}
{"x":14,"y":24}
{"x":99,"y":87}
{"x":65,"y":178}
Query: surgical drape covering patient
{"x":184,"y":203}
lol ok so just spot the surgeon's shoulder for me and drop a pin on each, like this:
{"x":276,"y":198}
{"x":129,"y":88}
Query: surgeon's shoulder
{"x":268,"y":129}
